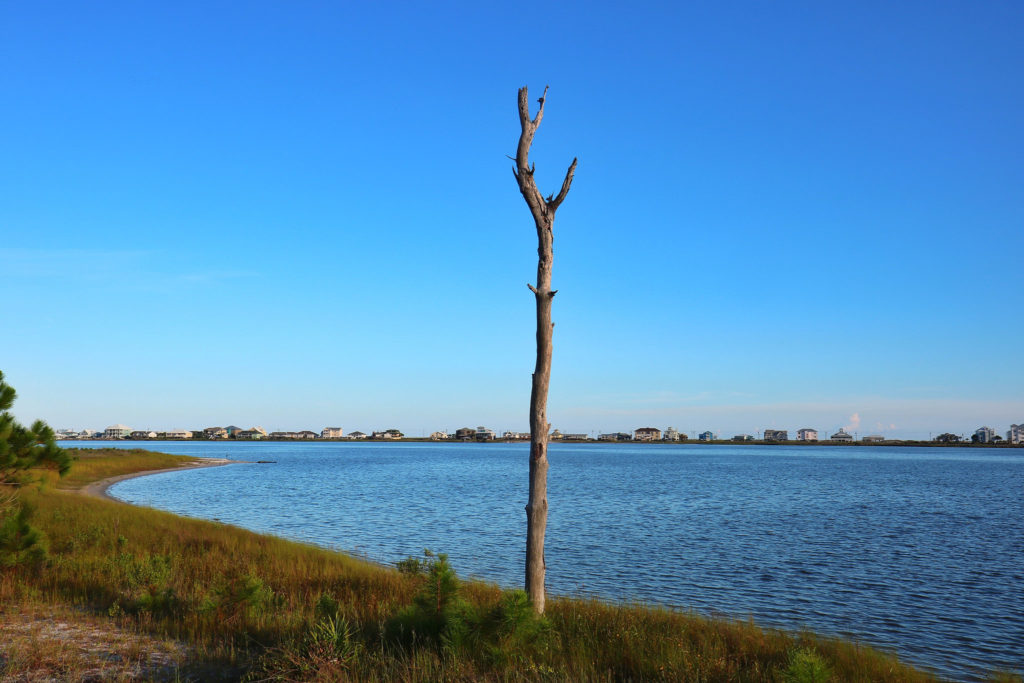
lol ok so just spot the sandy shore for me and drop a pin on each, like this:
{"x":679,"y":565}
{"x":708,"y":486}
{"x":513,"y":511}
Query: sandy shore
{"x":98,"y":489}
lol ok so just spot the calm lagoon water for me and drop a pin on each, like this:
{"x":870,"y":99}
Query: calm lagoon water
{"x":913,"y":550}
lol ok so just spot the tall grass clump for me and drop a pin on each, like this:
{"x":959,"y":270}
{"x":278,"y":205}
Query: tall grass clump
{"x":806,"y":666}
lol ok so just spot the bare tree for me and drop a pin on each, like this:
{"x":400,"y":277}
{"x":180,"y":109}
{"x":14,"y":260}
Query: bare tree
{"x":543,"y":211}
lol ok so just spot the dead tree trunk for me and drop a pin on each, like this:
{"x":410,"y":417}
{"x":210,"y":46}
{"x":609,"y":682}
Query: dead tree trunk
{"x":543,"y":211}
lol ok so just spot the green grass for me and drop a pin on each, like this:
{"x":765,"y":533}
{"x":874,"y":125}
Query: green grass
{"x":259,"y":606}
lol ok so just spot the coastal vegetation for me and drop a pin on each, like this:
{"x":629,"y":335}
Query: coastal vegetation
{"x":199,"y":600}
{"x":22,"y":449}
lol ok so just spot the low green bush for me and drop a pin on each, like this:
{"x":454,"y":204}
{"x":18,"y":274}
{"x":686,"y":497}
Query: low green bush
{"x":806,"y":666}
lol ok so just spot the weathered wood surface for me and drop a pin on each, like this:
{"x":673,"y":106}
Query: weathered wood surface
{"x":543,"y":211}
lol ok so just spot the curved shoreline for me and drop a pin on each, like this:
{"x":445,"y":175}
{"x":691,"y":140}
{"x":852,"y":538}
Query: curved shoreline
{"x":98,"y":489}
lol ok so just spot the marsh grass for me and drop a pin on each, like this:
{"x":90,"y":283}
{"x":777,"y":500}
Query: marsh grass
{"x":270,"y":609}
{"x":91,"y":465}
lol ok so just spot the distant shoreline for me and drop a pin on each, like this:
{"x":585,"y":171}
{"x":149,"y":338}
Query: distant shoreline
{"x":590,"y":442}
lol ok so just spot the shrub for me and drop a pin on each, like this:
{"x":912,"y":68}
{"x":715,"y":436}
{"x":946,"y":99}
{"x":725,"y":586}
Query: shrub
{"x":146,"y":581}
{"x":244,"y":596}
{"x":806,"y":666}
{"x":22,"y":448}
{"x":20,"y":542}
{"x":437,"y":611}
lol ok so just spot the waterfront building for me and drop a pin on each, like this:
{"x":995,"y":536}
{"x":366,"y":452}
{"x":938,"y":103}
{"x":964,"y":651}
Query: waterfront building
{"x":332,"y":433}
{"x":484,"y":434}
{"x":647,"y":434}
{"x":615,"y":436}
{"x":178,"y":434}
{"x":439,"y":436}
{"x":516,"y":436}
{"x":142,"y":434}
{"x":232,"y":430}
{"x":254,"y":434}
{"x":356,"y":435}
{"x":465,"y":433}
{"x":873,"y":438}
{"x":706,"y":436}
{"x":118,"y":431}
{"x":215,"y":433}
{"x":807,"y":434}
{"x":1016,"y":434}
{"x":283,"y":435}
{"x":776,"y":435}
{"x":984,"y":435}
{"x":575,"y":437}
{"x":743,"y":437}
{"x":842,"y":435}
{"x":671,"y":434}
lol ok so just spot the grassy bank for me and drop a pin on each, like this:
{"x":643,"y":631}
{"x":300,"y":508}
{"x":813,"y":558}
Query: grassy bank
{"x":206,"y":600}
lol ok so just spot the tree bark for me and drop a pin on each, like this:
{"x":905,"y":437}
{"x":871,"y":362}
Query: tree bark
{"x":543,"y":211}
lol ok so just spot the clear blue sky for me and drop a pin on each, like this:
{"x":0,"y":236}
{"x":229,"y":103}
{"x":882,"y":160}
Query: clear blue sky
{"x":300,"y":214}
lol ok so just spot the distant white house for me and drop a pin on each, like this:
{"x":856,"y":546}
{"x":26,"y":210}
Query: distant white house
{"x":118,"y":431}
{"x":984,"y":435}
{"x":143,"y":434}
{"x":178,"y":434}
{"x":356,"y":435}
{"x":332,"y":433}
{"x":671,"y":434}
{"x":807,"y":434}
{"x":1016,"y":434}
{"x":615,"y":436}
{"x":516,"y":436}
{"x":439,"y":436}
{"x":647,"y":434}
{"x":842,"y":435}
